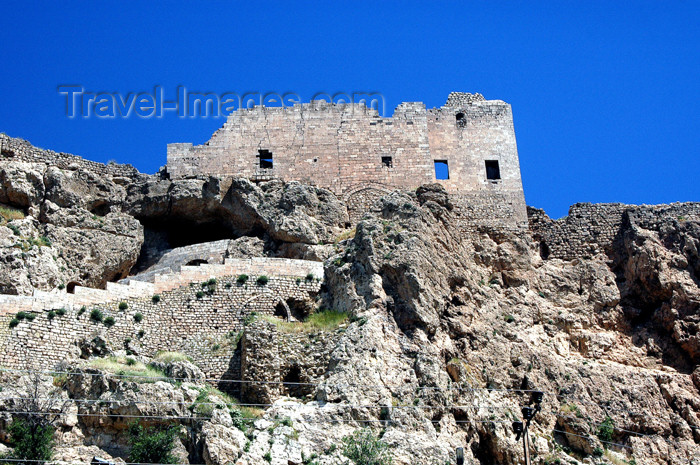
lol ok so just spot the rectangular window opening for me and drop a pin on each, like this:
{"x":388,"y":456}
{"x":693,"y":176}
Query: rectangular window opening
{"x":493,"y":172}
{"x":265,"y":159}
{"x":442,"y":171}
{"x":386,"y":161}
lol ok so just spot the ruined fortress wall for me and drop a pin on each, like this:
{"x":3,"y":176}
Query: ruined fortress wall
{"x":484,"y":132}
{"x":335,"y":147}
{"x":590,"y":229}
{"x":340,"y":147}
{"x":180,"y":321}
{"x":21,"y":150}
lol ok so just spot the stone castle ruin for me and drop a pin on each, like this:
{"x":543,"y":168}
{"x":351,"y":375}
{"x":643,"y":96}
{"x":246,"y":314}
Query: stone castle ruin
{"x":468,"y":146}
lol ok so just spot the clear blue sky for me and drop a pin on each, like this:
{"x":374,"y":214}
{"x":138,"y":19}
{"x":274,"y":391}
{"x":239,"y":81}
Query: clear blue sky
{"x":605,"y":97}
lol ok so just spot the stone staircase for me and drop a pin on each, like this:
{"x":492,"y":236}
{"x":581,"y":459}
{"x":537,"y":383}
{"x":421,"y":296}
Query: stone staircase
{"x":149,"y":284}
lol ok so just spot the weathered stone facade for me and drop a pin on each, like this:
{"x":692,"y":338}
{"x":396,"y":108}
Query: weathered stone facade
{"x":203,"y":324}
{"x":21,"y":150}
{"x":360,"y":155}
{"x":590,"y":229}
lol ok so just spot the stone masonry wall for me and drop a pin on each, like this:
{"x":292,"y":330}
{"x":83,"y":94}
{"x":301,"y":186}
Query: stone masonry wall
{"x":297,"y":360}
{"x":590,"y":229}
{"x":205,"y":327}
{"x":360,"y":155}
{"x":22,"y":150}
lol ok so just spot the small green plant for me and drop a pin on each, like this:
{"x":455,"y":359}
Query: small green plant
{"x":597,"y":452}
{"x":131,"y":362}
{"x":123,"y":305}
{"x":61,"y":311}
{"x":61,"y":286}
{"x":96,"y":315}
{"x":310,"y":277}
{"x":541,"y":294}
{"x":21,"y":315}
{"x":606,"y":430}
{"x":14,"y":229}
{"x":215,"y":347}
{"x":82,"y":310}
{"x":109,"y":321}
{"x":51,"y":315}
{"x":152,"y":444}
{"x":10,"y":214}
{"x":138,"y":317}
{"x":155,"y":299}
{"x":364,"y":448}
{"x":242,"y":278}
{"x":141,"y":333}
{"x":14,"y":322}
{"x":199,"y":294}
{"x":262,"y":280}
{"x":250,"y":318}
{"x":509,"y":318}
{"x":268,"y":456}
{"x":30,"y":316}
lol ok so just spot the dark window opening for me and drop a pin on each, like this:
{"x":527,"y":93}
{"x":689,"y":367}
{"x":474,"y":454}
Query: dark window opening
{"x":461,"y":119}
{"x":197,"y":262}
{"x":544,"y":250}
{"x":442,"y":171}
{"x":386,"y":161}
{"x":265,"y":159}
{"x":492,"y":170}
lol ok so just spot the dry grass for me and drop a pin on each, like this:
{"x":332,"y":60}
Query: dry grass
{"x":169,"y":357}
{"x":349,"y":234}
{"x":326,"y":320}
{"x":9,"y":213}
{"x":128,"y":369}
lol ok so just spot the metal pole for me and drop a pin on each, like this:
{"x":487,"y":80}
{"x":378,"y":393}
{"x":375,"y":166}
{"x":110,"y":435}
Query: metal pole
{"x":526,"y":444}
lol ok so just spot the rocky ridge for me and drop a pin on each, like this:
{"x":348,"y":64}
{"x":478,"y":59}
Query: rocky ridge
{"x":448,"y":336}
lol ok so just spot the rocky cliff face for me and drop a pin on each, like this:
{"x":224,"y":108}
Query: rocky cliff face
{"x":450,"y":332}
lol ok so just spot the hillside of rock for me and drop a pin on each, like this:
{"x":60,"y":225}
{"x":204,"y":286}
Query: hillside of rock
{"x":448,"y":333}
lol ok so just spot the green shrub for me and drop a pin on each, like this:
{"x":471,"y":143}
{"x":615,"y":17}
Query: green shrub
{"x":597,"y":452}
{"x":262,"y":280}
{"x":123,"y":305}
{"x":109,"y":321}
{"x":606,"y":430}
{"x":211,"y":282}
{"x":155,"y":299}
{"x":131,"y":362}
{"x":138,"y":317}
{"x":30,"y":316}
{"x":152,"y":444}
{"x":364,"y":448}
{"x":96,"y":315}
{"x":51,"y":314}
{"x":21,"y":315}
{"x":61,"y":311}
{"x":250,"y":318}
{"x":242,"y":278}
{"x":14,"y":229}
{"x":14,"y":322}
{"x":509,"y":318}
{"x":141,"y":333}
{"x":82,"y":310}
{"x":199,"y":294}
{"x":44,"y":242}
{"x":267,"y":456}
{"x":61,"y":286}
{"x":32,"y":440}
{"x":310,"y":277}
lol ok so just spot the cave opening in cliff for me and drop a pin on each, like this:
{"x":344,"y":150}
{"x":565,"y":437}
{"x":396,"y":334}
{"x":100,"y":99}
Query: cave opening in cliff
{"x":162,"y":235}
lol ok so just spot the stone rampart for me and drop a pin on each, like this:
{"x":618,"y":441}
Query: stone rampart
{"x":203,"y":323}
{"x":468,"y":146}
{"x":591,"y":229}
{"x":21,"y":150}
